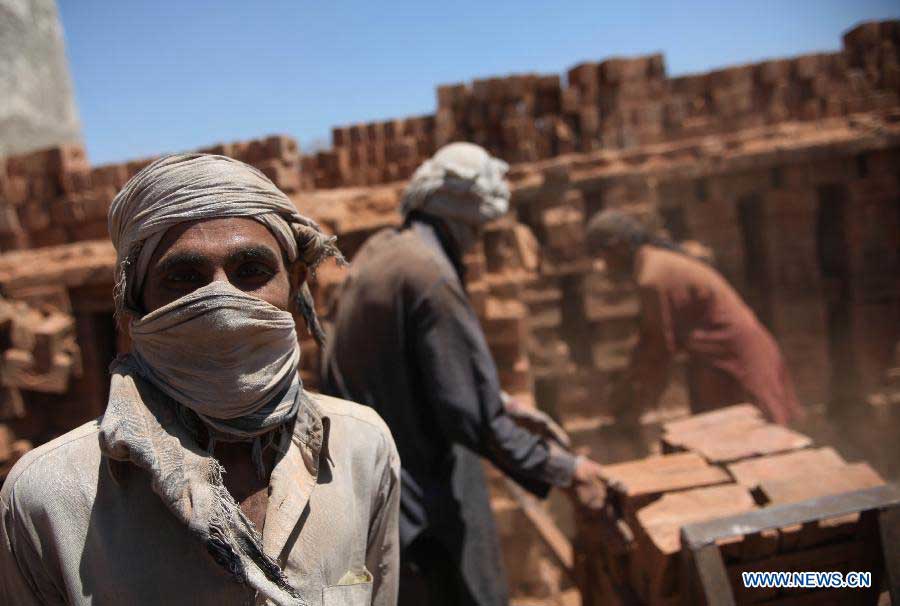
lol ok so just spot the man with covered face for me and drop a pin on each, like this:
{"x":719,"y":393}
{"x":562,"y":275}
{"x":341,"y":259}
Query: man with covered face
{"x":687,"y":306}
{"x":407,"y":343}
{"x":212,"y":477}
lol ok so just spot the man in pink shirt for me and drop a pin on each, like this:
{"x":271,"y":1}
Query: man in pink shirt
{"x":687,"y":306}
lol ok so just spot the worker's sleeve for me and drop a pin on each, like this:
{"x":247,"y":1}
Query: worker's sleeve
{"x":652,"y":358}
{"x":459,"y":378}
{"x":24,"y":580}
{"x":383,"y":550}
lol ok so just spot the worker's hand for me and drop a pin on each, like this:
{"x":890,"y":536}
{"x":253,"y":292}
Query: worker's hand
{"x":536,"y":421}
{"x":588,"y":489}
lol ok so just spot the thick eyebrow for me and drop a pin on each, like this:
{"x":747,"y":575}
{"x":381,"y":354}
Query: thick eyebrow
{"x":170,"y":262}
{"x":253,"y":253}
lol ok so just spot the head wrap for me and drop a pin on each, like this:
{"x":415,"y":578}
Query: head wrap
{"x":461,"y":182}
{"x":190,"y":187}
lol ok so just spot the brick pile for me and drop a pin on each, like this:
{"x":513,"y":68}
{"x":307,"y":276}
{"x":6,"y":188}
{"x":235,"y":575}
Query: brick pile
{"x":620,"y":103}
{"x":39,"y":354}
{"x":537,"y":292}
{"x":518,"y":118}
{"x":54,"y":196}
{"x":741,"y":463}
{"x":764,"y":198}
{"x":377,"y":152}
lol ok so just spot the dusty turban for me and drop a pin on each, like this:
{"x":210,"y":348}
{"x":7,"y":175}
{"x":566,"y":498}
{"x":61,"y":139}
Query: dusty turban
{"x":461,"y":182}
{"x":188,"y":187}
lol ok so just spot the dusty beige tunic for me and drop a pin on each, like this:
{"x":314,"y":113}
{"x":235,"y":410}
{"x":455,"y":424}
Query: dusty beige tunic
{"x":77,"y":530}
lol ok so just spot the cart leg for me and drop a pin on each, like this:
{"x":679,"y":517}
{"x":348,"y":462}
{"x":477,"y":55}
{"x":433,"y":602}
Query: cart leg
{"x":889,"y":529}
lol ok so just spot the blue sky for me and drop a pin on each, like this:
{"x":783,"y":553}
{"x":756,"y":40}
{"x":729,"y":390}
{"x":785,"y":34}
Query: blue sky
{"x":154,"y":77}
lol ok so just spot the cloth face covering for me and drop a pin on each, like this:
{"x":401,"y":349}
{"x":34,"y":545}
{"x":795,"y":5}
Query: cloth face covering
{"x":230,"y":357}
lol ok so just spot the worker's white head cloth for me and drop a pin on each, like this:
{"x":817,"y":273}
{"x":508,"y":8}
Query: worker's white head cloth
{"x":461,"y":182}
{"x":188,"y":187}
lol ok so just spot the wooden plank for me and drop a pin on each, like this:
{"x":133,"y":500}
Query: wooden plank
{"x":722,"y":416}
{"x":780,"y":516}
{"x":889,"y":532}
{"x":739,"y":440}
{"x":829,"y":480}
{"x":810,"y":462}
{"x":713,"y":577}
{"x":660,"y":523}
{"x":635,"y":483}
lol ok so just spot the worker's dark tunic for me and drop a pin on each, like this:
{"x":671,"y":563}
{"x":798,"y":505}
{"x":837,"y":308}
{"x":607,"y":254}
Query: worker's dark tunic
{"x":407,"y":343}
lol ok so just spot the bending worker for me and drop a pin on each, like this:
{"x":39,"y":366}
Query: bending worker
{"x":687,"y":306}
{"x":407,"y":342}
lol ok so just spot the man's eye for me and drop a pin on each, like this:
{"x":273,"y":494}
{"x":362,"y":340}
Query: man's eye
{"x":183,"y":276}
{"x":254,"y":270}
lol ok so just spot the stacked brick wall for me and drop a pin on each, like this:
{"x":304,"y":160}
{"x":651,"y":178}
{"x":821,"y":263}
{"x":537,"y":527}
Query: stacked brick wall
{"x":766,"y":202}
{"x":378,"y":152}
{"x":797,"y":208}
{"x":39,"y":355}
{"x":622,"y":103}
{"x":54,"y":196}
{"x":715,"y":465}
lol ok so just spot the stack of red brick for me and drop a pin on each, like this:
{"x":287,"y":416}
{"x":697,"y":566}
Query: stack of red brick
{"x":42,"y":194}
{"x":39,"y":354}
{"x":718,"y":464}
{"x":517,"y":118}
{"x":560,"y":331}
{"x":377,"y":152}
{"x":277,"y":156}
{"x":54,"y":196}
{"x":619,"y":102}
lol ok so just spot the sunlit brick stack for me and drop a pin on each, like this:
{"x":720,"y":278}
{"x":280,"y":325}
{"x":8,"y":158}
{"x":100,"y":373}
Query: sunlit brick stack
{"x":783,"y":174}
{"x":718,"y":464}
{"x":54,"y":196}
{"x":378,"y":152}
{"x":40,"y":356}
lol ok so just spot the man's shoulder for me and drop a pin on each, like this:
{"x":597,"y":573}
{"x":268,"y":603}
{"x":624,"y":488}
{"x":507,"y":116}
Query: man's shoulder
{"x":659,"y":266}
{"x":48,"y":465}
{"x":402,"y":254}
{"x":354,"y":417}
{"x":350,"y":412}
